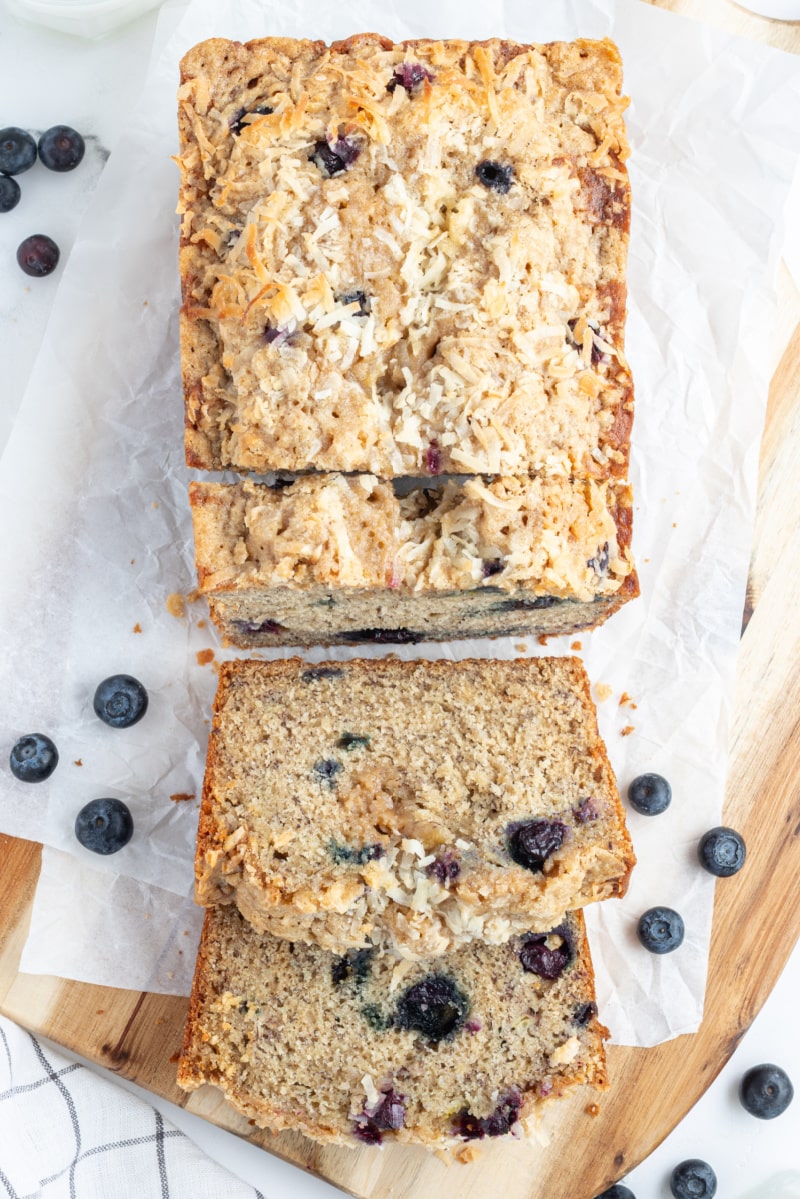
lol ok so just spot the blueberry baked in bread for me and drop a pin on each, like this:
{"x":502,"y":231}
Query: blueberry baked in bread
{"x":363,"y":1048}
{"x":412,"y":805}
{"x":405,"y":259}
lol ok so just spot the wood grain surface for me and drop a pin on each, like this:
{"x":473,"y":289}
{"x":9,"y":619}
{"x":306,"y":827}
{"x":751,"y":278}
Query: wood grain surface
{"x":139,"y":1035}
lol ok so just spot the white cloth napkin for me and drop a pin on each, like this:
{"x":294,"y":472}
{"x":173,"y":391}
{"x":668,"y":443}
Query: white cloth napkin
{"x":67,"y":1132}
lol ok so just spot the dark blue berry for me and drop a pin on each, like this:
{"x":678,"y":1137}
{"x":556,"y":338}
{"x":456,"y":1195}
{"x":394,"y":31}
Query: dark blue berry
{"x":38,"y":255}
{"x":650,"y":794}
{"x":531,"y":844}
{"x":356,"y":297}
{"x":9,"y":193}
{"x":444,"y":868}
{"x":538,"y":958}
{"x":766,"y":1091}
{"x":722,"y":851}
{"x":500,"y":1122}
{"x":584,"y":1012}
{"x":495,"y":176}
{"x":239,"y":123}
{"x":350,"y":741}
{"x":434,"y":1007}
{"x":334,"y":157}
{"x":347,"y":855}
{"x":17,"y":151}
{"x":390,"y":1114}
{"x":61,"y":148}
{"x":618,"y":1191}
{"x":253,"y":626}
{"x":409,"y":75}
{"x":120,"y":701}
{"x":104,"y":825}
{"x":34,"y":758}
{"x":660,"y":930}
{"x":326,"y":770}
{"x":492,"y":566}
{"x":693,"y":1179}
{"x":525,"y":605}
{"x":599,"y":563}
{"x":383,"y":636}
{"x":321,"y":672}
{"x":356,"y":965}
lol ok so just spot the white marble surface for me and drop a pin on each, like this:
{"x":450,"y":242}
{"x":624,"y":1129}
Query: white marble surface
{"x":92,"y":86}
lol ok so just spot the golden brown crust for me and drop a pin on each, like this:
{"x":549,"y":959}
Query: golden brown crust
{"x":400,"y":406}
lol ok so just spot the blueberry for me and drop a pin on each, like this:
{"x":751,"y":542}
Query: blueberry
{"x":618,"y":1191}
{"x":599,"y":563}
{"x":347,"y":855}
{"x":586,"y":810}
{"x":492,"y":566}
{"x":253,"y":626}
{"x":356,"y":297}
{"x":104,"y":825}
{"x":350,"y":741}
{"x":9,"y":193}
{"x":444,"y":868}
{"x":334,"y":157}
{"x":34,"y":758}
{"x":61,"y":148}
{"x":495,"y":176}
{"x":120,"y":701}
{"x":584,"y":1012}
{"x":17,"y":151}
{"x":531,"y":843}
{"x":538,"y":958}
{"x":320,"y":672}
{"x":238,"y":123}
{"x":409,"y":75}
{"x":693,"y":1179}
{"x":649,"y":794}
{"x":326,"y":771}
{"x":660,"y":930}
{"x":433,"y":458}
{"x":766,"y":1091}
{"x":356,"y":965}
{"x":389,"y":1114}
{"x":382,"y":636}
{"x":500,"y":1122}
{"x":433,"y":1007}
{"x":38,"y":255}
{"x":722,"y":851}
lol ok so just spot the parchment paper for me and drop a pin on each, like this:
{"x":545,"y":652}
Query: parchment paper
{"x":101,"y":537}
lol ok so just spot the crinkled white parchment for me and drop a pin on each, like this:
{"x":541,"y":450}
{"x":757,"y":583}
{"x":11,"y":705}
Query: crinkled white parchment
{"x":101,"y":533}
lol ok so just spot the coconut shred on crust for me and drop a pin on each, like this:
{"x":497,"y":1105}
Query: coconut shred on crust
{"x":450,"y":299}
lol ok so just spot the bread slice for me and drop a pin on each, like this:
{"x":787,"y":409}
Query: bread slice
{"x":416,"y":805}
{"x":363,"y":1048}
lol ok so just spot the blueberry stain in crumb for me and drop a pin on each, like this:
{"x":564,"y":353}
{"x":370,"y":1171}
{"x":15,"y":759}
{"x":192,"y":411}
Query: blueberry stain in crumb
{"x":500,"y":1122}
{"x":495,"y":176}
{"x":445,"y":867}
{"x":316,"y":673}
{"x":693,"y":1179}
{"x":722,"y":851}
{"x":9,"y":193}
{"x":239,"y":123}
{"x":766,"y":1091}
{"x":348,"y":855}
{"x":355,"y":965}
{"x":38,"y":255}
{"x":326,"y":770}
{"x":33,"y":758}
{"x":120,"y":701}
{"x":409,"y":75}
{"x":435,"y":1008}
{"x":356,"y":297}
{"x":255,"y":626}
{"x":104,"y":825}
{"x":584,"y":1012}
{"x":387,"y":1115}
{"x":17,"y":150}
{"x":61,"y":148}
{"x":548,"y":961}
{"x":491,"y":567}
{"x":660,"y":930}
{"x":352,"y":741}
{"x":599,"y":563}
{"x":531,"y":843}
{"x":382,"y":636}
{"x":334,"y":157}
{"x":649,"y":794}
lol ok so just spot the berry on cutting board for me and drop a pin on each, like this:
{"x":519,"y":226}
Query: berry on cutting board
{"x":33,"y":758}
{"x":104,"y":825}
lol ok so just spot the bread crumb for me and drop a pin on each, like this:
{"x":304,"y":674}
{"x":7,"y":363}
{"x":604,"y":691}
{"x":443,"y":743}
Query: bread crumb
{"x":192,"y":596}
{"x":201,"y":624}
{"x":204,"y":656}
{"x":542,"y":640}
{"x":133,"y":561}
{"x":155,"y":503}
{"x":577,"y":646}
{"x":603,"y":692}
{"x":101,"y":1011}
{"x":176,"y":605}
{"x":182,"y":796}
{"x":626,"y":699}
{"x":176,"y":1057}
{"x":78,"y":762}
{"x":592,"y":1109}
{"x":626,"y":732}
{"x":444,"y":1156}
{"x":469,"y":1153}
{"x":520,"y":647}
{"x":137,"y":628}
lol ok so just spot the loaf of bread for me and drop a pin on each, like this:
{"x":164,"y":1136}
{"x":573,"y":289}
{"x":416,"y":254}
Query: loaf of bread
{"x":410,"y":805}
{"x":333,"y":559}
{"x":364,"y":1047}
{"x":405,"y":259}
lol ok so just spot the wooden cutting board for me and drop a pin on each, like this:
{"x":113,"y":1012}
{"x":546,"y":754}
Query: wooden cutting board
{"x":756,"y":916}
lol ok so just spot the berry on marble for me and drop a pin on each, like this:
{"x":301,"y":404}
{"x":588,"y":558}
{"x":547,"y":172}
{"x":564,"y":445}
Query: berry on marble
{"x":693,"y":1179}
{"x":38,"y":255}
{"x":766,"y":1091}
{"x":9,"y":193}
{"x":17,"y":150}
{"x":61,"y":148}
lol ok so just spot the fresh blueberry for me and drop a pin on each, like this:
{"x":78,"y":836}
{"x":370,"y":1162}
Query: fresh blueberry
{"x":9,"y":193}
{"x":34,"y":758}
{"x":495,"y":176}
{"x":766,"y":1091}
{"x":61,"y":148}
{"x":334,"y":157}
{"x":120,"y":701}
{"x":538,"y":958}
{"x":239,"y":123}
{"x":722,"y":851}
{"x":408,"y":75}
{"x":326,"y":770}
{"x":693,"y":1179}
{"x":650,"y":794}
{"x":17,"y":151}
{"x":660,"y":930}
{"x":104,"y":825}
{"x":618,"y":1191}
{"x":356,"y":297}
{"x":433,"y":1007}
{"x":38,"y":255}
{"x":350,"y":741}
{"x":531,"y":844}
{"x":500,"y":1122}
